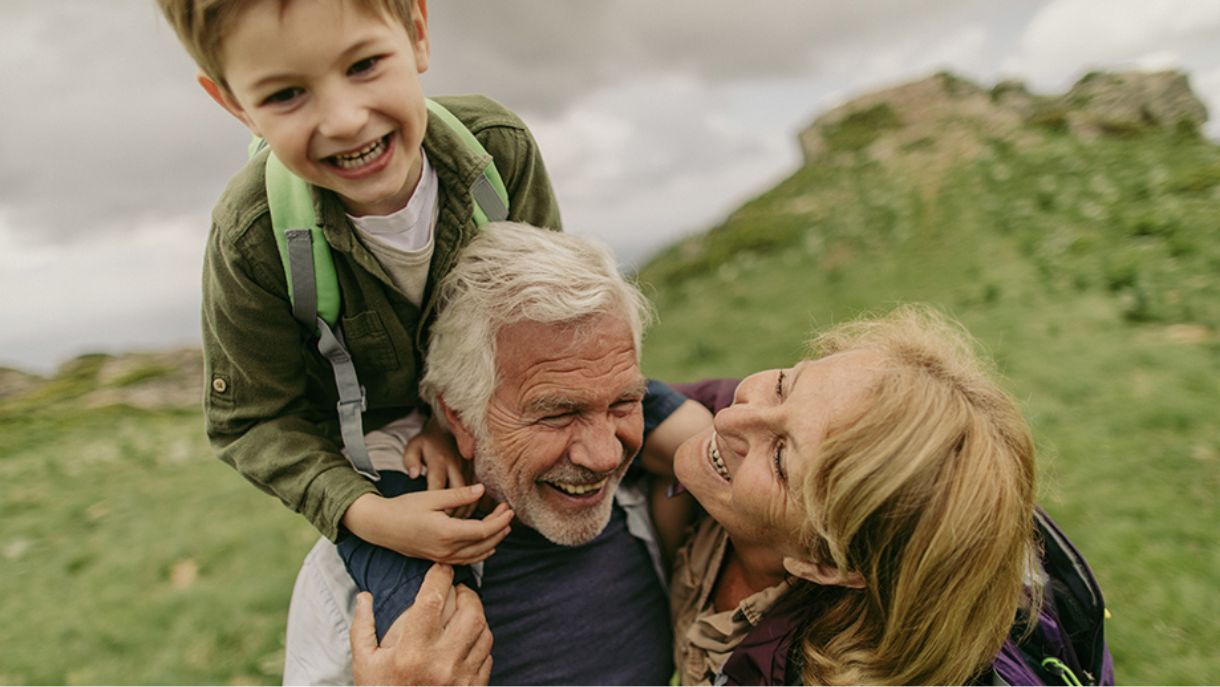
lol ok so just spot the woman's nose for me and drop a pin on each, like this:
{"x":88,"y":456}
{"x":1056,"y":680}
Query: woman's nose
{"x":736,"y":423}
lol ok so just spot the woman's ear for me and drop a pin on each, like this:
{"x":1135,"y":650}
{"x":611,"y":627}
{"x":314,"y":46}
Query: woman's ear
{"x":823,"y":574}
{"x":461,"y":434}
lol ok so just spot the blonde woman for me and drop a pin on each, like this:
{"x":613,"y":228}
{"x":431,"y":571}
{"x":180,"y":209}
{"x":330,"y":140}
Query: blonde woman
{"x":878,"y":499}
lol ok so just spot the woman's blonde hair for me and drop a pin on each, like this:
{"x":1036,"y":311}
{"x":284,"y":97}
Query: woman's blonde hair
{"x":928,"y":493}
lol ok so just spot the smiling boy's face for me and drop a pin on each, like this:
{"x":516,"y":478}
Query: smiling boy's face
{"x":334,"y":89}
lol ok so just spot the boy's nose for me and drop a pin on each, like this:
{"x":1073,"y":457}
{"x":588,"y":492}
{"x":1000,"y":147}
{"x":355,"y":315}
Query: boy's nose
{"x":342,"y":117}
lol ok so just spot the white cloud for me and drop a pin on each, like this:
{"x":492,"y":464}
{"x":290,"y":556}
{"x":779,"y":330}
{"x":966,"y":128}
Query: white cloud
{"x":1067,"y":37}
{"x":641,"y":163}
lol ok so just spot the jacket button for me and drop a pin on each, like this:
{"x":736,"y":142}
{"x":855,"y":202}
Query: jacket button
{"x":219,"y":385}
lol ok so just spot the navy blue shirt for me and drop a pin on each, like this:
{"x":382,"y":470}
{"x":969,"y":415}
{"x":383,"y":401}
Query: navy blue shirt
{"x":591,"y":614}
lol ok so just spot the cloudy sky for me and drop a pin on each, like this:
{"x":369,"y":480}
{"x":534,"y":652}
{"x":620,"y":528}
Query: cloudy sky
{"x":656,"y":118}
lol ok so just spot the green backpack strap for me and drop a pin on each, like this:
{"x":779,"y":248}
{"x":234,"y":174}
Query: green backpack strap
{"x":488,"y":192}
{"x":313,"y":286}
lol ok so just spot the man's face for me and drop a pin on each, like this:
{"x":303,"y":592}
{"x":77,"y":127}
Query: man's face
{"x":334,"y":89}
{"x":563,"y":424}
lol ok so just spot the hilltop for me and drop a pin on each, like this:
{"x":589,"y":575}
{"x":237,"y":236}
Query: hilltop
{"x":1109,"y":187}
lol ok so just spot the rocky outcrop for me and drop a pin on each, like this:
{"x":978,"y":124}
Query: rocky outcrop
{"x":1124,"y":103}
{"x":945,"y":117}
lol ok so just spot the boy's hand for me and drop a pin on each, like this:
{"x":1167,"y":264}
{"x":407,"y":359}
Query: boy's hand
{"x":434,"y":453}
{"x":417,"y":525}
{"x":442,"y":639}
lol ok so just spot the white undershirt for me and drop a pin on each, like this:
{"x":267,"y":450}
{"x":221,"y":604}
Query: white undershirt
{"x":402,"y":241}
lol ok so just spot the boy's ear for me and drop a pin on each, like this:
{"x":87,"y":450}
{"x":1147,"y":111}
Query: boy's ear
{"x":226,"y":100}
{"x":461,"y":434}
{"x":423,"y":47}
{"x":823,"y":574}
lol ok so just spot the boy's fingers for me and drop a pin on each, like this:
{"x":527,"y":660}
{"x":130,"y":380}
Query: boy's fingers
{"x":476,"y":531}
{"x":411,"y":461}
{"x":444,"y":499}
{"x":363,"y":635}
{"x":436,"y":477}
{"x":456,"y":478}
{"x":479,"y":550}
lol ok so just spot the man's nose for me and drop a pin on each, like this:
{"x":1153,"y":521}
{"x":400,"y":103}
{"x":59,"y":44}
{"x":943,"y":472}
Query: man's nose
{"x":597,"y":446}
{"x":342,"y":115}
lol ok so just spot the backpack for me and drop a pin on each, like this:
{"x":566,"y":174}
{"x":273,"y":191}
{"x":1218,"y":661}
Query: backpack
{"x":313,"y":286}
{"x":1067,"y":645}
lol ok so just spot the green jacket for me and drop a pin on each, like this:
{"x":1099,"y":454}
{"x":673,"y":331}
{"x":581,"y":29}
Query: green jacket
{"x":270,"y":398}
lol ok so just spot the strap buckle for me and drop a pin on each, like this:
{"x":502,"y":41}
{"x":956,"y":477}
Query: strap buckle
{"x":363,"y":401}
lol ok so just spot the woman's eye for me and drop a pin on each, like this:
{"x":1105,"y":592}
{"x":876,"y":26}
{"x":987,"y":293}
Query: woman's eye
{"x":364,"y":65}
{"x":282,"y":96}
{"x":779,"y":461}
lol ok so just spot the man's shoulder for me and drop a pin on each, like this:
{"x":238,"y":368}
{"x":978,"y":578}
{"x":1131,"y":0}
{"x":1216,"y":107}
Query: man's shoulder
{"x":480,"y":113}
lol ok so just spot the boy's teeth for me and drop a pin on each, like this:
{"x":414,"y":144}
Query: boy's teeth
{"x":718,"y":462}
{"x":360,"y":157}
{"x":578,"y":489}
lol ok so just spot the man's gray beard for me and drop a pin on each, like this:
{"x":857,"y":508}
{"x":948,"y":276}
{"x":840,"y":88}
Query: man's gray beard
{"x":559,"y":528}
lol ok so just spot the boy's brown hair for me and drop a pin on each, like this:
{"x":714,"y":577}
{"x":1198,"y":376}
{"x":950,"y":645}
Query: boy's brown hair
{"x":201,"y":25}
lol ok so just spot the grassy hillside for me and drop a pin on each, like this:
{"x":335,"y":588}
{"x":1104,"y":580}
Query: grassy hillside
{"x":128,"y":553}
{"x":1079,"y":245}
{"x":1089,"y":268}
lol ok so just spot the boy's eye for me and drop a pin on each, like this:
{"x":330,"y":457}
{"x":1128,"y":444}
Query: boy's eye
{"x":364,"y":65}
{"x":282,"y":96}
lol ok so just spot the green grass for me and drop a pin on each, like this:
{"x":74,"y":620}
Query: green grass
{"x":130,"y":555}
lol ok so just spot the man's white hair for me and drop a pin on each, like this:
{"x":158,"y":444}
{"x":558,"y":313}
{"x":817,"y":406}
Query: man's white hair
{"x":509,"y":273}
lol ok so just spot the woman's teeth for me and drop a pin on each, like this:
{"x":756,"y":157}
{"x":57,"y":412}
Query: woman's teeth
{"x":718,"y":462}
{"x":360,"y":157}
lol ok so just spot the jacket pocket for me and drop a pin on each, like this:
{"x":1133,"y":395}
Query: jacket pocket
{"x":368,"y":342}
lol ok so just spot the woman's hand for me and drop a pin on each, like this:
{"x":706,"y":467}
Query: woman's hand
{"x":442,"y":639}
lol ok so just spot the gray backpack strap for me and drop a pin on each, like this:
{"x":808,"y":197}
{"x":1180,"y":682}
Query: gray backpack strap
{"x":304,"y":282}
{"x":330,"y":344}
{"x":351,"y":399}
{"x":488,"y":200}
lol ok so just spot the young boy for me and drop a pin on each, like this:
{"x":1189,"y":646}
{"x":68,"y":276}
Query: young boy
{"x":333,"y":87}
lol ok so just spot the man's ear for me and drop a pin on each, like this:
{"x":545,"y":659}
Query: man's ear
{"x":823,"y":574}
{"x":423,"y":47}
{"x":225,"y":99}
{"x":461,"y":434}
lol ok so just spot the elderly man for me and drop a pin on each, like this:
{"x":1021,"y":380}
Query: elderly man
{"x":534,"y":365}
